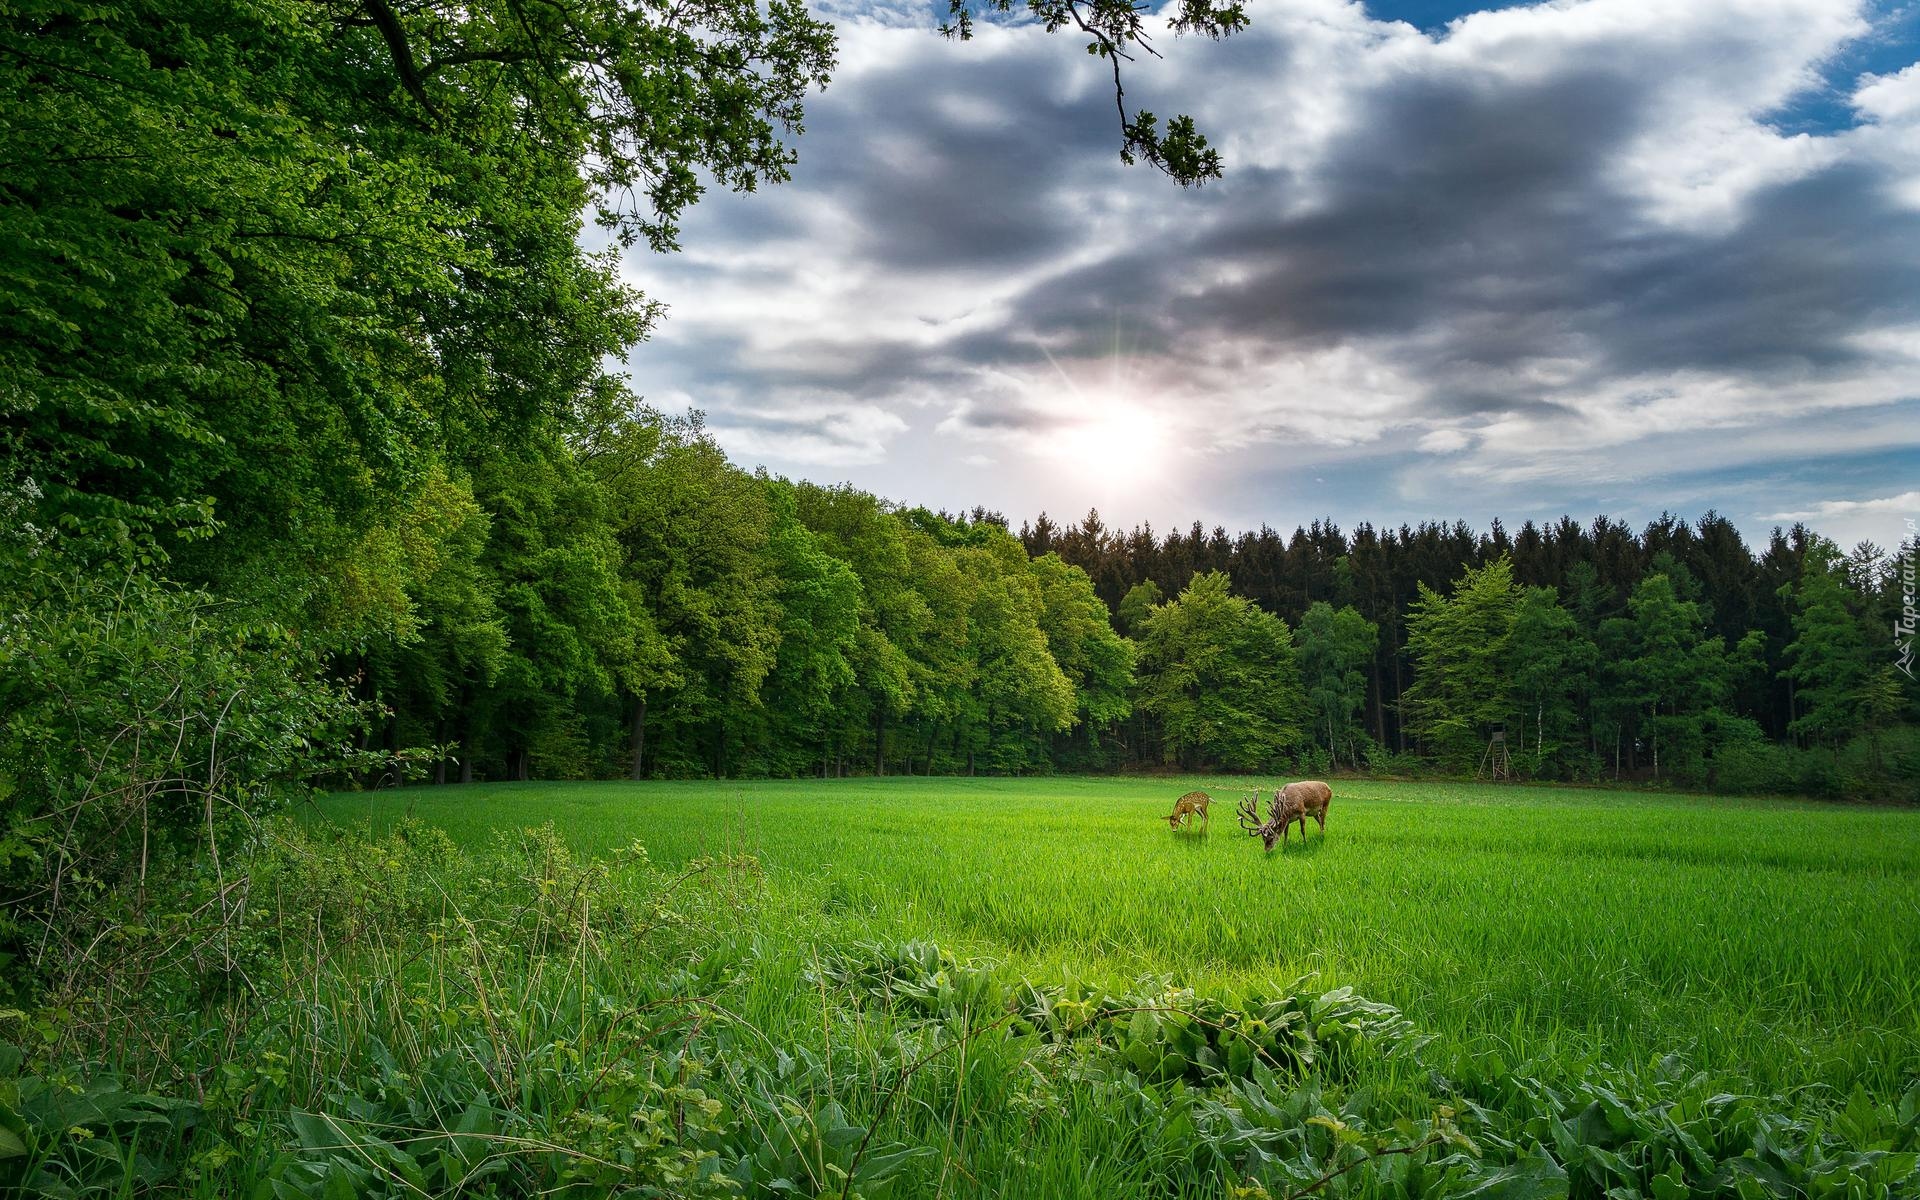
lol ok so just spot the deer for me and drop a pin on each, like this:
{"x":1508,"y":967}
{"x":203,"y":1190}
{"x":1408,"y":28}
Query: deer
{"x":1186,"y":806}
{"x":1295,"y":802}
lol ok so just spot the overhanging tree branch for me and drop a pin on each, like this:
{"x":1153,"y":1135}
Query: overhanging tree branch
{"x":388,"y":23}
{"x":1114,"y":26}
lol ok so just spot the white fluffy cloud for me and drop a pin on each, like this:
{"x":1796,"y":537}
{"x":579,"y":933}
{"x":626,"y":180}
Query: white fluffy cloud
{"x":1905,"y":504}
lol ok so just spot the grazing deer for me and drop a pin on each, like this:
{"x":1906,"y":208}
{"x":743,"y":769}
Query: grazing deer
{"x":1186,"y":806}
{"x":1285,"y":811}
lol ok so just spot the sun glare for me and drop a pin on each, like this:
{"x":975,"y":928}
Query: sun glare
{"x":1116,"y":442}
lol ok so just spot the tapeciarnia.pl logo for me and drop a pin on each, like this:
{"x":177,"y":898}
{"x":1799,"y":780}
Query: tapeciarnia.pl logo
{"x":1903,"y":628}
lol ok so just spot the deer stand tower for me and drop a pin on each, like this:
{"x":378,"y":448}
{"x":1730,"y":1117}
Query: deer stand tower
{"x":1495,"y":758}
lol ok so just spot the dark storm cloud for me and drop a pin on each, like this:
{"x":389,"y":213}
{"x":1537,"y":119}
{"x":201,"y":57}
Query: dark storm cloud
{"x":1813,"y":263}
{"x":1488,"y":222}
{"x":939,"y":170}
{"x":957,"y":192}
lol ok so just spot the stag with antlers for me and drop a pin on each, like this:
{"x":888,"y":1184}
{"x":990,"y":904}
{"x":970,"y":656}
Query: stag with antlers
{"x":1292,"y":803}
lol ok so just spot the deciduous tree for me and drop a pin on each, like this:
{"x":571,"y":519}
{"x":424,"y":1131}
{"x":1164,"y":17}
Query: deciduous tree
{"x":1221,"y":677}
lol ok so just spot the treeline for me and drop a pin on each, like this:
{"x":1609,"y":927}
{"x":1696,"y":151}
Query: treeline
{"x":631,"y":603}
{"x":626,"y":601}
{"x":1675,"y":652}
{"x":609,"y":596}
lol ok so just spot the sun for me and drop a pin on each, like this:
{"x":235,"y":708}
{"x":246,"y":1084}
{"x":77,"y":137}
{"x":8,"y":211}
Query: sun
{"x":1100,"y":429}
{"x":1115,"y":440}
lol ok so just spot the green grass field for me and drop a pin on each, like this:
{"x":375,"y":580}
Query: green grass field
{"x":1774,"y":943}
{"x":998,"y":989}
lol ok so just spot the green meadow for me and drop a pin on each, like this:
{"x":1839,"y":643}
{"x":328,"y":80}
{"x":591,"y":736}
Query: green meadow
{"x":1773,"y":940}
{"x":922,"y":987}
{"x":1018,"y":988}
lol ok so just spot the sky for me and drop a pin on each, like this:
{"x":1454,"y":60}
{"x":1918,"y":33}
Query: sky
{"x":1588,"y":256}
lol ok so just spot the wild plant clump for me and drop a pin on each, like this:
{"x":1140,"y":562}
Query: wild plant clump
{"x":145,"y":731}
{"x":414,"y":1019}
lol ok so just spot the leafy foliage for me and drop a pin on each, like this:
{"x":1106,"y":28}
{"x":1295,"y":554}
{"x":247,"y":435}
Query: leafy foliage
{"x":1829,"y":652}
{"x":1462,"y":691}
{"x":1220,"y":676}
{"x":1335,"y":647}
{"x":143,"y":729}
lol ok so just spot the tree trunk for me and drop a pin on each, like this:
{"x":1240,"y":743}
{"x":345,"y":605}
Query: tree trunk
{"x":363,"y":689}
{"x":1400,"y":719}
{"x":523,"y":764}
{"x":466,"y":735}
{"x":639,"y":739}
{"x":879,"y":740}
{"x":1379,"y":708}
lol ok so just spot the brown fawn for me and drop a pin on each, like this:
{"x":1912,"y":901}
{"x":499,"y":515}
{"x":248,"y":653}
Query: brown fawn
{"x":1186,"y":806}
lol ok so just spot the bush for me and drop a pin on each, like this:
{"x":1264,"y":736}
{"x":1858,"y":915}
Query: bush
{"x":143,"y":728}
{"x":1882,"y":765}
{"x":1753,"y":768}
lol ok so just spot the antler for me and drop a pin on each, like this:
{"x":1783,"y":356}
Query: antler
{"x":1249,"y":810}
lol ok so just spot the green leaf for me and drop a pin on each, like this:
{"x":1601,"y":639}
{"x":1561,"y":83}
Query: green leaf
{"x":1670,"y":1186}
{"x":1535,"y":1177}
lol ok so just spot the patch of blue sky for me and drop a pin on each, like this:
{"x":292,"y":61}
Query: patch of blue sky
{"x":1430,"y":15}
{"x":1893,"y":45}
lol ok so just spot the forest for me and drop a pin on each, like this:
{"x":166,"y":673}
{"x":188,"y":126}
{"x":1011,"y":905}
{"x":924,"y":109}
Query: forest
{"x":626,"y":602}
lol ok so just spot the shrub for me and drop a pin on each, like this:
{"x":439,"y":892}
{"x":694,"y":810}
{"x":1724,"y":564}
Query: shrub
{"x":1882,"y":765}
{"x":143,"y":728}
